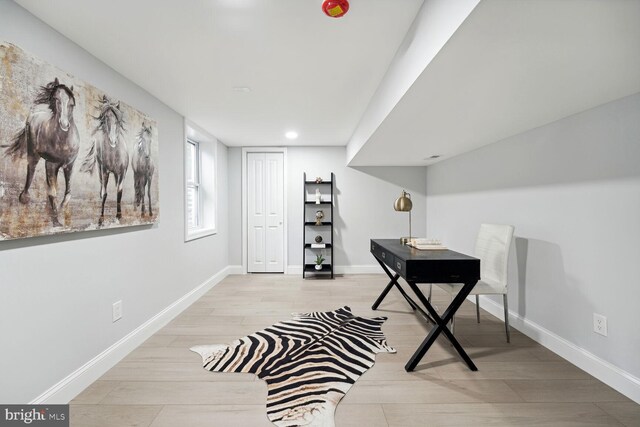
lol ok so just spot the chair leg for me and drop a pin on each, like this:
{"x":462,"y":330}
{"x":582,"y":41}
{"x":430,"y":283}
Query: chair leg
{"x":429,"y":298}
{"x":453,"y":319}
{"x":478,"y":308}
{"x":506,"y":316}
{"x":453,"y":324}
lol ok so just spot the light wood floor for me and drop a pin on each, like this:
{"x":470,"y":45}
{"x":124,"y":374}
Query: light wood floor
{"x":162,"y":383}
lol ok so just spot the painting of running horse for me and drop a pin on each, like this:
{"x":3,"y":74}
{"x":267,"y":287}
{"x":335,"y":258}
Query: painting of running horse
{"x":49,"y":133}
{"x":54,"y":125}
{"x":109,"y":151}
{"x":143,"y":167}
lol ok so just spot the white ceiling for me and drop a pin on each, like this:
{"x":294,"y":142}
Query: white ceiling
{"x":511,"y":66}
{"x":307,"y":72}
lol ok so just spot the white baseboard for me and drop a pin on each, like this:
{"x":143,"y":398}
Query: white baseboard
{"x":617,"y":378}
{"x":359,"y":269}
{"x":69,"y":387}
{"x":235,"y":269}
{"x":342,"y":269}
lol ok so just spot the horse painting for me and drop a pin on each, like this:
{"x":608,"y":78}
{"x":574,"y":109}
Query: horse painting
{"x":109,"y":151}
{"x":49,"y":133}
{"x":143,"y":167}
{"x":47,"y":113}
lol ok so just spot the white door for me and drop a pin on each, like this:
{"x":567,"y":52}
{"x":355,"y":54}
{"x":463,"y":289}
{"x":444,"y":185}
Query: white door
{"x":265,"y":212}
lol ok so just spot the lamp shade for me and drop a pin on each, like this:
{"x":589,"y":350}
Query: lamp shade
{"x":403,"y":203}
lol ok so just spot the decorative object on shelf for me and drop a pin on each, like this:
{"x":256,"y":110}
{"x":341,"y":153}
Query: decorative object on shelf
{"x":318,"y":239}
{"x":404,"y":204}
{"x":319,"y":216}
{"x":318,"y":196}
{"x":318,"y":180}
{"x":335,"y":8}
{"x":51,"y":121}
{"x":319,"y":261}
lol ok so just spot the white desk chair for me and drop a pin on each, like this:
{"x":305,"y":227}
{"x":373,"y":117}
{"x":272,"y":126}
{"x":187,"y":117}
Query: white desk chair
{"x":492,"y":247}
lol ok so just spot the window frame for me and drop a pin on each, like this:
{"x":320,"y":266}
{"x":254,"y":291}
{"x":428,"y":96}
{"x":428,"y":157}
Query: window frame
{"x":206,"y":182}
{"x":195,"y":184}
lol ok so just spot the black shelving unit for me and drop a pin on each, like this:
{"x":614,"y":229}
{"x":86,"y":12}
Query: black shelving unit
{"x":307,"y":249}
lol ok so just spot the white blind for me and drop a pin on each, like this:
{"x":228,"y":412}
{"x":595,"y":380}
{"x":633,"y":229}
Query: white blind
{"x":192,"y":173}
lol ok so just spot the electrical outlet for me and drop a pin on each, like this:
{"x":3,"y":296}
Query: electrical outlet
{"x":599,"y":324}
{"x":117,"y":310}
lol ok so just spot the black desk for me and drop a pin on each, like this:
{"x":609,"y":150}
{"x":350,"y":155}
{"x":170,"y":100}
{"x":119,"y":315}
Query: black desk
{"x":415,"y":266}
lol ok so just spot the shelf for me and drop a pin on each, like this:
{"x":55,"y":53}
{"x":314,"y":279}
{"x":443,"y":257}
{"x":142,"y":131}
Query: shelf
{"x":326,"y":196}
{"x":311,"y":268}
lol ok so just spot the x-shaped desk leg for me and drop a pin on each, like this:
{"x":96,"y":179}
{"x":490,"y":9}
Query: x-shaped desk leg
{"x":392,"y":283}
{"x":440,"y":326}
{"x":440,"y":322}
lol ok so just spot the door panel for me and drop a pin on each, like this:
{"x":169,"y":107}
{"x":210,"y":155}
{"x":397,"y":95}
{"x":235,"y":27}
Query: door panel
{"x":274,"y":189}
{"x":255,"y":213}
{"x":265,"y":178}
{"x":258,"y":254}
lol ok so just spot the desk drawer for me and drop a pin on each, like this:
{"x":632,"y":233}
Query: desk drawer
{"x":400,"y":267}
{"x":443,"y":271}
{"x":382,"y":254}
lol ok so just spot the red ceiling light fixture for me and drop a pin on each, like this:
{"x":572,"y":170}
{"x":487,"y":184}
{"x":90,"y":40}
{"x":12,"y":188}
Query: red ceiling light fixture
{"x":335,"y":8}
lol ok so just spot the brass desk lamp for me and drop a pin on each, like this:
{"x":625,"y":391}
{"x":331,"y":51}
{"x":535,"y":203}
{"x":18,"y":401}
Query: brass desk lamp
{"x":404,"y":204}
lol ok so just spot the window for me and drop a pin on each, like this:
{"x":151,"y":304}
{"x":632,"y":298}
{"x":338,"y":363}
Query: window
{"x":200,"y":202}
{"x":193,"y":185}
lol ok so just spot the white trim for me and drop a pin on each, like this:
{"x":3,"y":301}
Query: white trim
{"x":235,"y":269}
{"x":613,"y":376}
{"x":70,"y":386}
{"x":197,"y":233}
{"x":295,"y":270}
{"x":194,"y":133}
{"x":343,"y":269}
{"x":285,"y":246}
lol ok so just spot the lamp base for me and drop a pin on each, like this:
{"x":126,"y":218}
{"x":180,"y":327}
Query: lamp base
{"x":405,"y":240}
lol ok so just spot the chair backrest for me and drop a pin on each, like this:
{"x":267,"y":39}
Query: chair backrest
{"x":492,"y":247}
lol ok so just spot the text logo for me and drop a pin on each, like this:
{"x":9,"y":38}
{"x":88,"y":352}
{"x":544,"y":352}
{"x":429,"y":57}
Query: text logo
{"x":34,"y":415}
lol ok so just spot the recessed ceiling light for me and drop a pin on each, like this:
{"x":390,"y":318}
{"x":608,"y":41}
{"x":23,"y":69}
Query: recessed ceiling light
{"x":435,"y":156}
{"x":291,"y":134}
{"x":243,"y":89}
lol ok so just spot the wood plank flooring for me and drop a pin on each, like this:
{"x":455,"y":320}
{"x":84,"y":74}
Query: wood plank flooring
{"x":162,"y":383}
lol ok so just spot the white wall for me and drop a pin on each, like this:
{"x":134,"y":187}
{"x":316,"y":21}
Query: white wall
{"x":572,"y":191}
{"x":363,"y":205}
{"x":57,"y":292}
{"x":235,"y":203}
{"x":435,"y":23}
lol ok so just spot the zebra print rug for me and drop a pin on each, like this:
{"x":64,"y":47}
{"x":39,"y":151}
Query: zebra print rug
{"x":308,"y":362}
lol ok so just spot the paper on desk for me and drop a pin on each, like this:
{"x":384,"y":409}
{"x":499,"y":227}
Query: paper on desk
{"x":425,"y":244}
{"x":429,"y":247}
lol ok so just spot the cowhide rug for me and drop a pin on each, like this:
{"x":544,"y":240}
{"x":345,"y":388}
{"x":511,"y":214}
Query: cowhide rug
{"x":309,"y":362}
